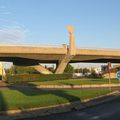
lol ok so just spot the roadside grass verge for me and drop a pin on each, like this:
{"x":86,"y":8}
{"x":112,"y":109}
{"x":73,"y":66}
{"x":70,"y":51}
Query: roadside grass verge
{"x":21,"y":98}
{"x":84,"y":81}
{"x":55,"y":79}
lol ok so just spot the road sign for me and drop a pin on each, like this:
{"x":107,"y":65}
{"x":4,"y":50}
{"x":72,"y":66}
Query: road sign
{"x":118,"y":74}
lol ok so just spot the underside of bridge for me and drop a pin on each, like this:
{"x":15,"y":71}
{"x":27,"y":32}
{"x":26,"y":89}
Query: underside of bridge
{"x":98,"y":61}
{"x":25,"y":61}
{"x":31,"y":62}
{"x":36,"y":63}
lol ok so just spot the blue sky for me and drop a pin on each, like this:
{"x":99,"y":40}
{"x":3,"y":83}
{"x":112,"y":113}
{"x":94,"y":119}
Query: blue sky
{"x":96,"y":22}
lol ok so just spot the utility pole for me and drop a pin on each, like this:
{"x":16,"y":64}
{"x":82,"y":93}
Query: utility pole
{"x":109,"y":70}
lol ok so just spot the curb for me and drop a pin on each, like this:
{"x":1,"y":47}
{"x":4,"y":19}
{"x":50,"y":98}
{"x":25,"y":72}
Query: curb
{"x":42,"y":111}
{"x":66,"y":86}
{"x":75,"y":86}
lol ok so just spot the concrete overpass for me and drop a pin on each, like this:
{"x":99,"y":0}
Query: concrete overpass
{"x":27,"y":55}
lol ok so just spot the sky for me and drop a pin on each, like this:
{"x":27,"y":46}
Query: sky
{"x":44,"y":22}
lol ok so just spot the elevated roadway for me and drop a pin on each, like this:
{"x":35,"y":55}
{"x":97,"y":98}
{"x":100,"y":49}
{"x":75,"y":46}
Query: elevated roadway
{"x":29,"y":55}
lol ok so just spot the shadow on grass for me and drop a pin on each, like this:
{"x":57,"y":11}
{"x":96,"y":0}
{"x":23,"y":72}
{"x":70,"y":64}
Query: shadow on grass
{"x":33,"y":91}
{"x":3,"y":105}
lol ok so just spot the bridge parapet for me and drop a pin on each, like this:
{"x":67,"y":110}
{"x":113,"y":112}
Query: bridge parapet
{"x":30,"y":45}
{"x":32,"y":50}
{"x":94,"y":48}
{"x":98,"y":52}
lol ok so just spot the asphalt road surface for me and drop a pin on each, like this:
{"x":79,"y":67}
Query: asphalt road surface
{"x":106,"y":111}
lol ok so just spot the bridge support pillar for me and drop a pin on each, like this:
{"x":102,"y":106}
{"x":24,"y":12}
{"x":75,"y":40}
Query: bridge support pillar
{"x":70,"y":54}
{"x":62,"y":64}
{"x":42,"y":69}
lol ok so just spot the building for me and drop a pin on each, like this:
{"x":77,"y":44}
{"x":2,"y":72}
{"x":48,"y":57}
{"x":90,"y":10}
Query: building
{"x":112,"y":73}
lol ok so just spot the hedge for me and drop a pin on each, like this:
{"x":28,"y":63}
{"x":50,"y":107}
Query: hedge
{"x":36,"y":77}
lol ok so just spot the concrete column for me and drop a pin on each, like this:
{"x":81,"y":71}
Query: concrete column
{"x":70,"y":54}
{"x":42,"y":69}
{"x":62,"y":64}
{"x":72,"y":48}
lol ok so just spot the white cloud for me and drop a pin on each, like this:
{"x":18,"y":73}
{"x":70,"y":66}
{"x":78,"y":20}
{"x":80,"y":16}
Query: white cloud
{"x":5,"y":13}
{"x":12,"y":35}
{"x":10,"y":30}
{"x":4,"y":10}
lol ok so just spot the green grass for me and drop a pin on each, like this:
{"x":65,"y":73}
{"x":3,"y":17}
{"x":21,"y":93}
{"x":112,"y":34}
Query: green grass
{"x":22,"y":78}
{"x":84,"y":81}
{"x":29,"y":98}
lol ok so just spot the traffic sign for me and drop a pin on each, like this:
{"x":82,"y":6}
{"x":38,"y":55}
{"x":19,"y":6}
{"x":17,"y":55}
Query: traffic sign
{"x":118,"y":74}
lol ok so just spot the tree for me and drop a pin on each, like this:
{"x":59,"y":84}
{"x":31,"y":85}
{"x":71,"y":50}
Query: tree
{"x":10,"y":70}
{"x":51,"y":69}
{"x":78,"y":70}
{"x":69,"y":69}
{"x":21,"y":70}
{"x":93,"y":74}
{"x":85,"y":70}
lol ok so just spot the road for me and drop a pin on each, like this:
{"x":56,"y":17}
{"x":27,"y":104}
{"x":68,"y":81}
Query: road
{"x":106,"y":111}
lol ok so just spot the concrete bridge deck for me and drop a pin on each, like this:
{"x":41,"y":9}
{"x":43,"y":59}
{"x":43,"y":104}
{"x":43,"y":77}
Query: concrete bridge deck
{"x":61,"y":55}
{"x":53,"y":55}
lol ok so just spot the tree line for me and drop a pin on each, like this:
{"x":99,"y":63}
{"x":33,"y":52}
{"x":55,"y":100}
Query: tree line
{"x":29,"y":70}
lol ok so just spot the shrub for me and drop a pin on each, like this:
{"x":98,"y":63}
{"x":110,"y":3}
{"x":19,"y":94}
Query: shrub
{"x":36,"y":77}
